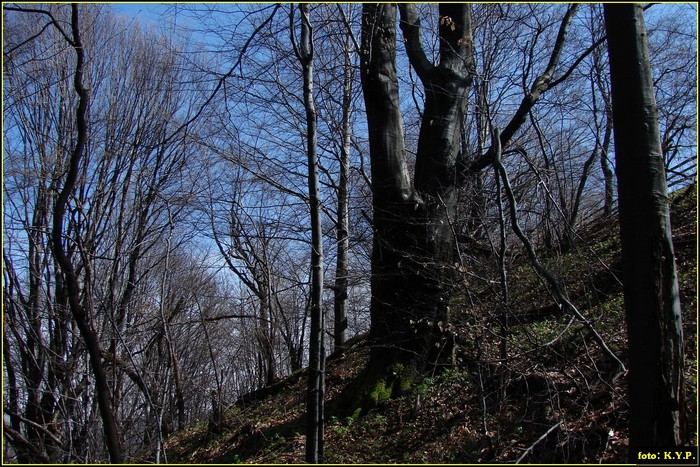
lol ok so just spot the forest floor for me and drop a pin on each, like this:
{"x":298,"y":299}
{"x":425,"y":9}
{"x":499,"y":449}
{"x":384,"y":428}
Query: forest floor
{"x":554,"y":399}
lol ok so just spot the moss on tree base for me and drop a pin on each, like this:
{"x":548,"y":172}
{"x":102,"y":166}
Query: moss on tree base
{"x":376,"y":385}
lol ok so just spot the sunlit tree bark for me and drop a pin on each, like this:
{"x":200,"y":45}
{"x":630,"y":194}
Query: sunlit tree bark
{"x":304,"y":51}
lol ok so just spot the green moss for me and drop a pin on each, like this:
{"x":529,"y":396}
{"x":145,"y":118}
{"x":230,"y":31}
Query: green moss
{"x":403,"y":378}
{"x":396,"y":380}
{"x":379,"y":393}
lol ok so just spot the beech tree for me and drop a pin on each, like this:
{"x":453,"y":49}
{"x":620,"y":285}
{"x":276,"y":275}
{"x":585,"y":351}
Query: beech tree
{"x":414,"y":233}
{"x":652,"y":305}
{"x":304,"y":51}
{"x":413,"y":242}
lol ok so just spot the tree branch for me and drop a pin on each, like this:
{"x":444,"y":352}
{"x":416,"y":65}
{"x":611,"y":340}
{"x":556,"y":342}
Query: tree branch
{"x":222,"y":80}
{"x":546,"y":433}
{"x":20,"y":440}
{"x":541,"y":270}
{"x":219,"y":318}
{"x":410,"y":26}
{"x":542,"y":83}
{"x":52,"y":21}
{"x":33,"y":424}
{"x":349,"y":28}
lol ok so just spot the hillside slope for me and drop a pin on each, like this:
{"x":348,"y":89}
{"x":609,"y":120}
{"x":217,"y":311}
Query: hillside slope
{"x":553,"y":399}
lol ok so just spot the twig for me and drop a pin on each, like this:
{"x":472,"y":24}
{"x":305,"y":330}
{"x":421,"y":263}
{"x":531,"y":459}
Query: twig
{"x":527,"y":451}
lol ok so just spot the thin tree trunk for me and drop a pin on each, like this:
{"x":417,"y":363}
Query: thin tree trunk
{"x":315,"y":385}
{"x":652,"y":303}
{"x":266,"y":333}
{"x":80,"y":313}
{"x":340,"y":288}
{"x":608,"y":175}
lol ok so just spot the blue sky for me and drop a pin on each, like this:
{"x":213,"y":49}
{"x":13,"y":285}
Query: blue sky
{"x":143,"y":11}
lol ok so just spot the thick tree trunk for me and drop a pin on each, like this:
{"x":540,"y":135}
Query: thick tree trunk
{"x":650,"y":284}
{"x":439,"y":145}
{"x":413,"y":237}
{"x":394,"y":200}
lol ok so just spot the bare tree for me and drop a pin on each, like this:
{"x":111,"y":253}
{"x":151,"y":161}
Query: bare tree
{"x":674,"y":74}
{"x":413,"y":255}
{"x":304,"y":51}
{"x":101,"y":203}
{"x":82,"y":311}
{"x":412,"y":240}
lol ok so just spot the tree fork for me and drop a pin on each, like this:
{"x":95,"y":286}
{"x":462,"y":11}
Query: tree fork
{"x":414,"y":242}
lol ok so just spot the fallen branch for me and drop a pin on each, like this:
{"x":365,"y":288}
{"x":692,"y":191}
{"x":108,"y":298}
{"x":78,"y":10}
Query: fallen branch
{"x":35,"y":425}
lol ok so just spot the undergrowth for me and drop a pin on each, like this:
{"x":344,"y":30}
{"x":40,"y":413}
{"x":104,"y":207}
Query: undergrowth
{"x":534,"y":388}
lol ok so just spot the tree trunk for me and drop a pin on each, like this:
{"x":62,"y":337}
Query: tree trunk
{"x":340,"y":289}
{"x":605,"y":167}
{"x":316,"y":383}
{"x":266,"y":333}
{"x":439,"y":144}
{"x":650,"y":284}
{"x":608,"y":175}
{"x":394,"y":205}
{"x":413,"y":238}
{"x":80,"y":313}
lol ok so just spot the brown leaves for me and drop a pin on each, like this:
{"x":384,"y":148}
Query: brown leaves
{"x":447,"y":22}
